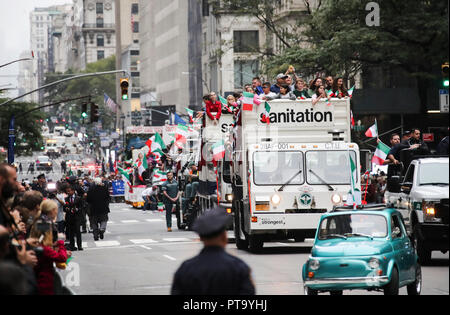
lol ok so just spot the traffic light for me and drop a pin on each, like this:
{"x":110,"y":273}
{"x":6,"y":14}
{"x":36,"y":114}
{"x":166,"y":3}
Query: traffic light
{"x":444,"y":68}
{"x":95,"y":114}
{"x":84,"y":110}
{"x":124,"y":84}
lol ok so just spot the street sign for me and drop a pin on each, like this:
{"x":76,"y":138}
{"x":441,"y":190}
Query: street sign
{"x":428,"y":137}
{"x":443,"y":100}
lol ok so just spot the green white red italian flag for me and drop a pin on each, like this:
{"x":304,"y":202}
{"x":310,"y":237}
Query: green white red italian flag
{"x":125,"y":174}
{"x":380,"y":153}
{"x":350,"y":92}
{"x":191,"y":115}
{"x":247,"y":101}
{"x":159,"y":177}
{"x":156,"y":146}
{"x":181,"y":135}
{"x":218,"y":150}
{"x":372,"y":132}
{"x":142,"y":167}
{"x":354,"y":195}
{"x":265,"y":118}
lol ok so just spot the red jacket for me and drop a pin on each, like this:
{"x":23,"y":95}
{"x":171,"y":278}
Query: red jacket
{"x":44,"y":270}
{"x":213,"y":108}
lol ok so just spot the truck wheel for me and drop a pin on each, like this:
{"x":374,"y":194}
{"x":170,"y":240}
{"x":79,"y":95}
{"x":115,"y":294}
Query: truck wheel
{"x":416,"y":287}
{"x":241,"y":244}
{"x":255,"y":243}
{"x":423,"y":252}
{"x":392,"y":287}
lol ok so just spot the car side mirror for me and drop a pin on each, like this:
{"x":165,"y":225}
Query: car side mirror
{"x":406,"y":188}
{"x":396,"y":232}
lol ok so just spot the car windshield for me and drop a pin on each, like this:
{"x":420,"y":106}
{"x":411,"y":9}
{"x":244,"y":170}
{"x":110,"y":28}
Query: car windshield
{"x":353,"y":225}
{"x":277,"y":168}
{"x":330,"y":167}
{"x":42,"y":159}
{"x":433,"y":173}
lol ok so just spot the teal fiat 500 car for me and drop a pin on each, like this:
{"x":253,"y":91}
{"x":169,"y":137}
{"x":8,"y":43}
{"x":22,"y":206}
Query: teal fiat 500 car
{"x":367,"y":249}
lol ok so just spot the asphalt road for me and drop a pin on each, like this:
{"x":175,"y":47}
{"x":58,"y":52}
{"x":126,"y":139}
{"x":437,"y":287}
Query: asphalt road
{"x":138,"y":256}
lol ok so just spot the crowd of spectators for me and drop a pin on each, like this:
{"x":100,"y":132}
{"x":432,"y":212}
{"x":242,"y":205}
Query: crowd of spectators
{"x":39,"y":223}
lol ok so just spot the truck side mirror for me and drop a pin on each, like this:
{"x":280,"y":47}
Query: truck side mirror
{"x":406,"y":188}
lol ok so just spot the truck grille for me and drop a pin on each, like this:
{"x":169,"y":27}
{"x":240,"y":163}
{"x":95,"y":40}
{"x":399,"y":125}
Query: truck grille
{"x":442,"y":210}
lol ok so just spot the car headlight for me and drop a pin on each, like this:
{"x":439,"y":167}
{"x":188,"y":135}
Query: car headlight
{"x":229,"y":197}
{"x":336,"y":199}
{"x":276,"y":199}
{"x":429,"y":211}
{"x":374,"y":263}
{"x":314,"y":264}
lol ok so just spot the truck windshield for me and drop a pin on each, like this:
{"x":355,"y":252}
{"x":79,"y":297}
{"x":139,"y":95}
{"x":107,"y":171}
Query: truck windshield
{"x":433,"y":173}
{"x":353,"y":225}
{"x":277,"y":167}
{"x":331,"y":167}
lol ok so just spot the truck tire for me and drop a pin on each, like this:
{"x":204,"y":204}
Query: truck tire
{"x":255,"y":243}
{"x":241,"y":244}
{"x":393,"y":286}
{"x":422,"y":251}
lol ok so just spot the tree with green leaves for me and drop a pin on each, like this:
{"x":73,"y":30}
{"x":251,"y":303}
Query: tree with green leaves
{"x":95,"y":86}
{"x":28,"y":128}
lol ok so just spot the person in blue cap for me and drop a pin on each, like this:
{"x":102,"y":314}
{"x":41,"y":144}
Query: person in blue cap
{"x":213,"y":271}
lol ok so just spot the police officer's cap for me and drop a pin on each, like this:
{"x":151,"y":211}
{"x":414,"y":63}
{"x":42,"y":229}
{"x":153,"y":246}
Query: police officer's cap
{"x":212,"y":222}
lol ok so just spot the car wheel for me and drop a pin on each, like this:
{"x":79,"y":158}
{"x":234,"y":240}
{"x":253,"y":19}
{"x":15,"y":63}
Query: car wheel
{"x":423,"y":253}
{"x":241,"y":244}
{"x":415,"y":288}
{"x":309,"y":291}
{"x":392,"y":287}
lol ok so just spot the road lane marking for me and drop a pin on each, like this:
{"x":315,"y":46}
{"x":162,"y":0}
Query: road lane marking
{"x":143,"y":241}
{"x":169,"y":257}
{"x":176,"y":239}
{"x":145,"y":247}
{"x":154,"y":220}
{"x":107,"y":243}
{"x":129,"y":221}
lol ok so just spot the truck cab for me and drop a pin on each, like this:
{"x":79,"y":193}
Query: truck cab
{"x":286,"y":174}
{"x":419,"y":191}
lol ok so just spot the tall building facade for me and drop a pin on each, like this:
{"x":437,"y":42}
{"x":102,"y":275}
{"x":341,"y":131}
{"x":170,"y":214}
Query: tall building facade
{"x":170,"y":53}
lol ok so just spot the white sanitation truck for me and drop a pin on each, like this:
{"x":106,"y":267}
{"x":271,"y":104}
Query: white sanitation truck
{"x":286,"y":174}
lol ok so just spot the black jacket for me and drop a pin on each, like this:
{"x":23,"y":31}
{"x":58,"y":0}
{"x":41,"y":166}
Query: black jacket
{"x":73,"y":209}
{"x":213,"y":272}
{"x":98,"y":198}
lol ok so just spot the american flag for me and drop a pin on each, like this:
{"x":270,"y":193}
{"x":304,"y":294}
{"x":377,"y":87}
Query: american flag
{"x":110,"y":103}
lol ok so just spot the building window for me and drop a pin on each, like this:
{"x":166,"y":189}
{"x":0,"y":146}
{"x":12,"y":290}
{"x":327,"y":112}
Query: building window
{"x":244,"y":72}
{"x":205,"y":7}
{"x":100,"y":41}
{"x":245,"y":41}
{"x":136,"y":27}
{"x":99,"y":8}
{"x":100,"y":54}
{"x":100,"y":22}
{"x":134,"y":52}
{"x":135,"y":8}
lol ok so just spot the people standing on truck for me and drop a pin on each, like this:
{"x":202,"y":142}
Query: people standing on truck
{"x":394,"y":140}
{"x":281,"y":79}
{"x":286,"y":94}
{"x":330,"y":83}
{"x":257,"y":85}
{"x":320,"y":94}
{"x":268,"y":95}
{"x":171,"y":194}
{"x":213,"y":271}
{"x":315,"y":84}
{"x":442,"y":148}
{"x":213,"y":108}
{"x":339,"y":89}
{"x":301,"y":92}
{"x":413,"y":143}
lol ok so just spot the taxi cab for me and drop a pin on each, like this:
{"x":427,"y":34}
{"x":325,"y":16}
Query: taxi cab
{"x":367,"y":248}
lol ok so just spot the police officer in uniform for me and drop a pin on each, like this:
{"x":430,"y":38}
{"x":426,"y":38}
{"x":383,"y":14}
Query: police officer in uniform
{"x":213,"y":271}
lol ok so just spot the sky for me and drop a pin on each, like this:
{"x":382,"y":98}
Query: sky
{"x":15,"y":34}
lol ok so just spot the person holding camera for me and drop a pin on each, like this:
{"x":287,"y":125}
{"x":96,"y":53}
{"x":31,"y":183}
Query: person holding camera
{"x":73,"y":210}
{"x":48,"y":251}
